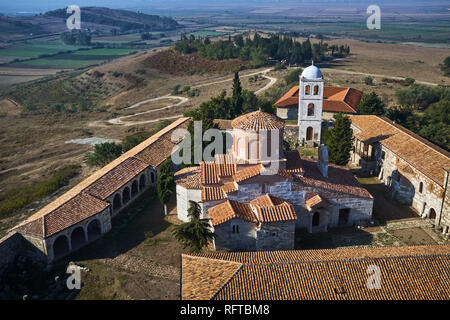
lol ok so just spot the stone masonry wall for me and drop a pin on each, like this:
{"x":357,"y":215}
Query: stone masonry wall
{"x":10,"y":247}
{"x":227,"y":240}
{"x":276,"y":236}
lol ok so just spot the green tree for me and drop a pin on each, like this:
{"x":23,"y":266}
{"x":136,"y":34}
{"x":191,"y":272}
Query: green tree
{"x":165,"y":183}
{"x":103,"y":154}
{"x":293,"y":76}
{"x":236,"y":98}
{"x":339,"y":140}
{"x":445,"y":67}
{"x":368,"y":80}
{"x":196,"y":233}
{"x":371,"y":104}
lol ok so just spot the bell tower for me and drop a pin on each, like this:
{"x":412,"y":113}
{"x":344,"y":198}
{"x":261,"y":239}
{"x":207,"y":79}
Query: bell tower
{"x":310,"y":106}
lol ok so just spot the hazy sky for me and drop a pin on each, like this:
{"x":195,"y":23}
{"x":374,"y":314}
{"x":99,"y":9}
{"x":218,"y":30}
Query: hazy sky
{"x":37,"y":6}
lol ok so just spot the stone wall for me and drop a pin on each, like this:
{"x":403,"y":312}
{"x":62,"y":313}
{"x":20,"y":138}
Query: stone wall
{"x":276,"y":236}
{"x":183,"y":197}
{"x":405,"y":183}
{"x":244,"y":240}
{"x":288,"y":113}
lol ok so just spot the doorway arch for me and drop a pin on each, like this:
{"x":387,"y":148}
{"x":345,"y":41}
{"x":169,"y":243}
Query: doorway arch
{"x":316,"y":219}
{"x":309,"y":133}
{"x":432,"y":214}
{"x":117,"y":202}
{"x":134,"y":188}
{"x":94,"y":229}
{"x":77,"y":239}
{"x":126,"y":195}
{"x":142,"y":182}
{"x":60,"y":246}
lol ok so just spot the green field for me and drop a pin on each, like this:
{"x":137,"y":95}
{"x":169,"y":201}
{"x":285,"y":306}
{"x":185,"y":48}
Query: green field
{"x":77,"y":59}
{"x":207,"y":33}
{"x":34,"y":50}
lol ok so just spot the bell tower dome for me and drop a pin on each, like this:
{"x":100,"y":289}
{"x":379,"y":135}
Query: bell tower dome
{"x":310,"y":106}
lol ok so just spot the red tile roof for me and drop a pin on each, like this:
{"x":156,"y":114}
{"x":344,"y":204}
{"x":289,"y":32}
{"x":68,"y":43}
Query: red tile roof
{"x":257,"y":121}
{"x":116,"y":178}
{"x":340,"y":179}
{"x":330,"y":274}
{"x":416,"y":151}
{"x":150,"y":152}
{"x":73,"y":211}
{"x":335,"y":99}
{"x":212,"y":194}
{"x":228,"y":210}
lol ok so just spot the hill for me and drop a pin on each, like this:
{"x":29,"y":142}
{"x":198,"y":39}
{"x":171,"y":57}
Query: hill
{"x":100,"y":20}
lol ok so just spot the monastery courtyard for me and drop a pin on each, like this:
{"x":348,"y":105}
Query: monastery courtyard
{"x":140,"y":259}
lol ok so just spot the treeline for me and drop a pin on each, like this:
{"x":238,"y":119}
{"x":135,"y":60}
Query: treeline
{"x":80,"y":38}
{"x":421,"y":109}
{"x":260,"y":50}
{"x":122,"y":19}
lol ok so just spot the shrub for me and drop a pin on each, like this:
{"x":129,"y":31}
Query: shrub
{"x":368,"y":80}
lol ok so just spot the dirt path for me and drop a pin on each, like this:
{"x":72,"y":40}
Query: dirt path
{"x":376,"y":75}
{"x":182,"y":100}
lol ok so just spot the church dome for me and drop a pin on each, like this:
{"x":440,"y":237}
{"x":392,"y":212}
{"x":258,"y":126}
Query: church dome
{"x":257,"y":121}
{"x":312,"y":72}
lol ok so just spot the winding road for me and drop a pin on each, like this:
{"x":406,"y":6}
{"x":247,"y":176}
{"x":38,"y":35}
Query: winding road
{"x":180,"y":101}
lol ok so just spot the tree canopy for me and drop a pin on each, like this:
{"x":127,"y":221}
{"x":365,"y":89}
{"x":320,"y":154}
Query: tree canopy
{"x":103,"y":154}
{"x":196,"y":233}
{"x":165,"y":183}
{"x":339,"y":140}
{"x":371,"y":104}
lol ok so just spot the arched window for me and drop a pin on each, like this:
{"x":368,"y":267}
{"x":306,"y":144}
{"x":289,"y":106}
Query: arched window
{"x":117,"y":202}
{"x":126,"y":195}
{"x":421,"y":187}
{"x":307,"y":89}
{"x":311,"y":110}
{"x":316,"y":90}
{"x":152,"y":177}
{"x":77,"y":238}
{"x":60,"y":247}
{"x":316,"y":219}
{"x":94,"y":229}
{"x":134,"y":188}
{"x":142,"y":182}
{"x":432,"y":214}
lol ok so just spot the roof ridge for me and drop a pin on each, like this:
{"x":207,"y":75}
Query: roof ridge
{"x":227,"y":282}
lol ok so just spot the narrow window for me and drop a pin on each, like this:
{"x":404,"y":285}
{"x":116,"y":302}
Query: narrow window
{"x":421,"y":187}
{"x":316,"y":90}
{"x":307,"y":88}
{"x":311,"y":110}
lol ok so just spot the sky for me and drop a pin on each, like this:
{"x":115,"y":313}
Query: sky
{"x":41,"y":6}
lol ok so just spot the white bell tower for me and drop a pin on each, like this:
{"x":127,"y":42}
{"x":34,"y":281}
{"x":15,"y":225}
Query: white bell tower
{"x":310,"y":106}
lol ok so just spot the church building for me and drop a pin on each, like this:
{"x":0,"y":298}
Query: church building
{"x":258,"y":195}
{"x":311,"y":102}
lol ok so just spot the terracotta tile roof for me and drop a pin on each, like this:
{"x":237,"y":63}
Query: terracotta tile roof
{"x":340,"y":179}
{"x":226,"y":165}
{"x":313,"y":201}
{"x":230,"y":187}
{"x":210,"y":173}
{"x":189,"y":178}
{"x":257,"y":121}
{"x":116,"y":178}
{"x":273,"y":209}
{"x":149,"y":144}
{"x":330,"y":274}
{"x":335,"y":99}
{"x":248,"y":173}
{"x":73,"y":211}
{"x":204,"y":276}
{"x":228,"y":210}
{"x":212,"y":194}
{"x":418,"y":152}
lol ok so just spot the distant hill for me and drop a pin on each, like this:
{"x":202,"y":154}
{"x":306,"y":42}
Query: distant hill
{"x":102,"y":20}
{"x":125,"y":20}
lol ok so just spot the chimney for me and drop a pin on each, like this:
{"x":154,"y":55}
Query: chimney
{"x":322,"y":163}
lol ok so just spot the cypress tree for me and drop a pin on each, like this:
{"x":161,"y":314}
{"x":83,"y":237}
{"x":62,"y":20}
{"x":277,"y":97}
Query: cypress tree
{"x":339,"y":140}
{"x":165,"y":183}
{"x":236,"y":99}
